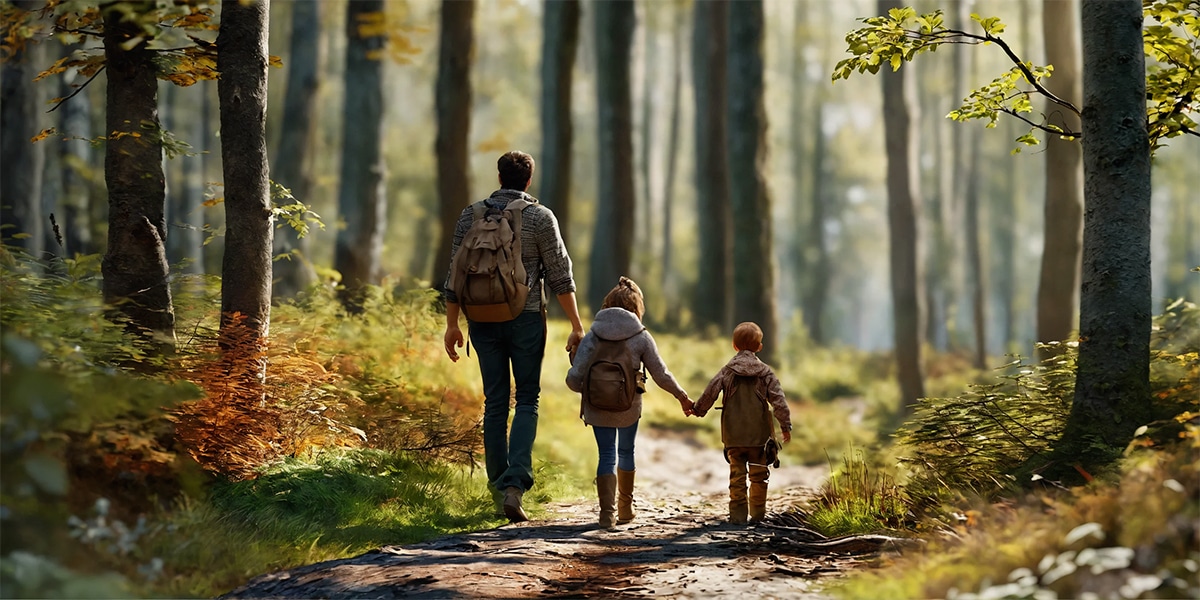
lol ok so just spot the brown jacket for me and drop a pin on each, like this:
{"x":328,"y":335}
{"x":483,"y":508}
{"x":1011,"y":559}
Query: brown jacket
{"x":746,"y":363}
{"x":618,"y":324}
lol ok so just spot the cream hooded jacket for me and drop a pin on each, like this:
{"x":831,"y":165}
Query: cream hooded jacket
{"x":620,"y":324}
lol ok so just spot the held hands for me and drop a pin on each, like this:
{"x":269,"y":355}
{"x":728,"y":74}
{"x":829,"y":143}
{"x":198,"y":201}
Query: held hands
{"x":687,"y":405}
{"x":452,"y":339}
{"x":573,"y":342}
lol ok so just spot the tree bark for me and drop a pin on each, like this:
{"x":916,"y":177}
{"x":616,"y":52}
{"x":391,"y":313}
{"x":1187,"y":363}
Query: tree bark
{"x":76,"y":155}
{"x":1112,"y":386}
{"x":453,"y":98}
{"x":753,"y":246}
{"x":1058,"y":283}
{"x":612,"y":243}
{"x":713,"y":302}
{"x":135,"y":265}
{"x":292,"y":167}
{"x":903,"y":206}
{"x":670,"y":283}
{"x":650,"y":75}
{"x":560,"y":39}
{"x":21,"y":169}
{"x":242,"y":89}
{"x":976,"y":276}
{"x":361,"y":201}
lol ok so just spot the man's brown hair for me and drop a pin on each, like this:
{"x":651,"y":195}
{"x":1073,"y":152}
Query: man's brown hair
{"x":626,"y":295}
{"x":516,"y":169}
{"x":747,"y":336}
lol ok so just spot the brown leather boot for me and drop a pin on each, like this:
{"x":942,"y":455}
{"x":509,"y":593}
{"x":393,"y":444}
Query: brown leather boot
{"x":625,"y":512}
{"x":737,"y":512}
{"x":757,"y":502}
{"x":606,"y":489}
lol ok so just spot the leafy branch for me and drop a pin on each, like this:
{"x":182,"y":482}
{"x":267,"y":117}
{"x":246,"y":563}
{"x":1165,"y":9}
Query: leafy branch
{"x":1171,"y":84}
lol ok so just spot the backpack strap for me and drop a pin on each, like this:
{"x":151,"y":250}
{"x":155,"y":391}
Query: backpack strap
{"x":513,"y":210}
{"x":478,"y":209}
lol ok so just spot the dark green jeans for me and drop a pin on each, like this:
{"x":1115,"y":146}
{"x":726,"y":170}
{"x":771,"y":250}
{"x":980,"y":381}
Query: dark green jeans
{"x":515,"y":347}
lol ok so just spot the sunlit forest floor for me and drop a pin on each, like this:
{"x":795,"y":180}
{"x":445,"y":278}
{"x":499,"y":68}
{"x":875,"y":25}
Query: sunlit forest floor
{"x":114,"y":487}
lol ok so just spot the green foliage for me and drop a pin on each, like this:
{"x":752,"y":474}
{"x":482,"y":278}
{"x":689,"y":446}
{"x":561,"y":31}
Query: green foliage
{"x":1171,"y":85}
{"x":858,"y":499}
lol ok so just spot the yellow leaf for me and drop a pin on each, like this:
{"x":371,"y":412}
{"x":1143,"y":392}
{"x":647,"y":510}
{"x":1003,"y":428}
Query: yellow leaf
{"x":275,"y":61}
{"x":43,"y":135}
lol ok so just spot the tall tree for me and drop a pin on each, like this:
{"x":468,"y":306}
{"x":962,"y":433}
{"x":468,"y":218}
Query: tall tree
{"x":292,"y":167}
{"x":135,"y":265}
{"x":669,"y":278}
{"x":1112,"y":384}
{"x":612,"y":243}
{"x":560,"y":38}
{"x":976,"y":276}
{"x":713,"y":301}
{"x":903,"y":206}
{"x":185,"y":191}
{"x":650,"y":76}
{"x":817,"y":263}
{"x":242,"y":90}
{"x":361,"y":202}
{"x":753,"y":247}
{"x":21,"y":169}
{"x":453,"y":98}
{"x":76,"y":155}
{"x":1058,"y":283}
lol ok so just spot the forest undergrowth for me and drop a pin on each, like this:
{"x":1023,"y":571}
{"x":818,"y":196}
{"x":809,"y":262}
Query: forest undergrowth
{"x":125,"y":474}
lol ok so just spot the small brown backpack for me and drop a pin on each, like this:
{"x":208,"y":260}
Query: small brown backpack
{"x":610,"y":382}
{"x":487,"y":274}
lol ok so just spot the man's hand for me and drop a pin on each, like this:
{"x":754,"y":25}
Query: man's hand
{"x":787,"y":436}
{"x":453,"y":339}
{"x":573,"y":341}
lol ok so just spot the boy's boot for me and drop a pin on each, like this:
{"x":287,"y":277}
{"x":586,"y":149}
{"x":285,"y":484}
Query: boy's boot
{"x":758,"y":501}
{"x":606,"y":489}
{"x":737,"y":512}
{"x":624,"y":496}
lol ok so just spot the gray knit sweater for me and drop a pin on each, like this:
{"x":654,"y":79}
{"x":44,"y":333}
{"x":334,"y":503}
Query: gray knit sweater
{"x":615,"y":324}
{"x":542,"y":250}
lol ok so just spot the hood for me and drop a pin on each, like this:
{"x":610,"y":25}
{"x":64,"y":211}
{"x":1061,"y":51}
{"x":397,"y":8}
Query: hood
{"x":747,"y":363}
{"x":501,"y":197}
{"x":616,"y":324}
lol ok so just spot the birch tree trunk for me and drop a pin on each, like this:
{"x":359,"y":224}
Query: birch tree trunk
{"x":753,"y":246}
{"x":612,"y":243}
{"x":453,"y":99}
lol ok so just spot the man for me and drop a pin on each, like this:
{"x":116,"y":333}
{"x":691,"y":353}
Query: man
{"x":518,"y":344}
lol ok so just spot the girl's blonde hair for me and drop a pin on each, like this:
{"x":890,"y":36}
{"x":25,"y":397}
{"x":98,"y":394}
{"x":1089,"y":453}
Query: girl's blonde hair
{"x":626,"y":295}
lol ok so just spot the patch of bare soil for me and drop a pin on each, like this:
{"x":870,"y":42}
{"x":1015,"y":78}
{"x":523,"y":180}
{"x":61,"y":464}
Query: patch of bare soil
{"x":680,"y":546}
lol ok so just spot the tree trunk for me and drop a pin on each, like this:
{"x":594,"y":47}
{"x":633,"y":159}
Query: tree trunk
{"x":714,"y":300}
{"x":1058,"y":284}
{"x":560,"y":38}
{"x":135,"y":265}
{"x":455,"y":48}
{"x":361,"y":201}
{"x":903,"y":206}
{"x":185,"y":191}
{"x":670,"y":280}
{"x":643,"y":237}
{"x":976,"y":276}
{"x":612,"y":244}
{"x":21,"y":169}
{"x":242,"y":89}
{"x":1112,"y":387}
{"x":292,"y":167}
{"x":76,"y":155}
{"x":820,"y":264}
{"x":753,"y":246}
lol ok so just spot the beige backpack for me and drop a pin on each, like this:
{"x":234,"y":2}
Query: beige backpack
{"x":487,"y":274}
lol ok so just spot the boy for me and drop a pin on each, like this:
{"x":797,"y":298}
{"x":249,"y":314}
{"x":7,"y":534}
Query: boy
{"x":752,"y":393}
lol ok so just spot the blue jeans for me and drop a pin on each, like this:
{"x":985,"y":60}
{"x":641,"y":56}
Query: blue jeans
{"x":615,"y":445}
{"x":518,"y":345}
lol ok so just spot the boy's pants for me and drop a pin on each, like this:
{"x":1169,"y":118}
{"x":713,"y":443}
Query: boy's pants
{"x":743,"y":462}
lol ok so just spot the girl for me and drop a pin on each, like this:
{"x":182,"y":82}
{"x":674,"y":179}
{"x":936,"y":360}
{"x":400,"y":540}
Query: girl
{"x":619,"y":321}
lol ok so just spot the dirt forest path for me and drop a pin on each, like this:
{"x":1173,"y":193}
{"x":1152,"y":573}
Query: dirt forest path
{"x":679,"y":546}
